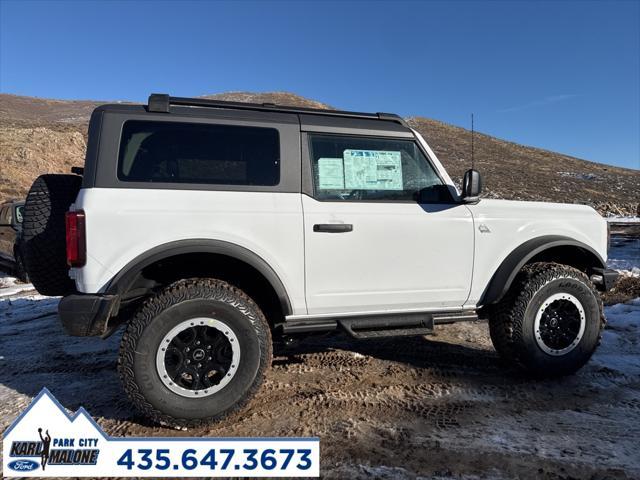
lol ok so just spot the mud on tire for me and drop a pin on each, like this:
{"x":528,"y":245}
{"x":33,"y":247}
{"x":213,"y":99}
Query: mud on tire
{"x":525,"y":326}
{"x":152,"y":361}
{"x":44,"y":244}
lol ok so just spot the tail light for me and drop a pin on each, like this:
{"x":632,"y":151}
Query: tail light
{"x":76,"y":243}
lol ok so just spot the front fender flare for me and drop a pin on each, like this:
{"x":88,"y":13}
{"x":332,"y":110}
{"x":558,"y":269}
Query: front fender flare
{"x":518,"y":258}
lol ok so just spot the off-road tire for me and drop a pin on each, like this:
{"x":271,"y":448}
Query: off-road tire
{"x":511,"y":321}
{"x":43,"y":229}
{"x":178,"y":302}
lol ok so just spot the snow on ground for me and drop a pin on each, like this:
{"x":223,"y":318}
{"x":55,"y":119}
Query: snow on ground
{"x":448,"y":409}
{"x":437,"y":407}
{"x":624,"y":255}
{"x":620,"y":349}
{"x":581,"y":176}
{"x":10,"y":285}
{"x":623,"y":219}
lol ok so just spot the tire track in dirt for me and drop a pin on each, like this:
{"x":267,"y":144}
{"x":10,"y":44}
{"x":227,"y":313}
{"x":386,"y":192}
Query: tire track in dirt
{"x":440,"y":404}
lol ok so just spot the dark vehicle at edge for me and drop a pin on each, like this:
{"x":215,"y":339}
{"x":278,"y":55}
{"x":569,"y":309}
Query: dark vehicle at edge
{"x":11,"y":256}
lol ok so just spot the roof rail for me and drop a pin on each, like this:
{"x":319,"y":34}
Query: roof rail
{"x":160,"y":102}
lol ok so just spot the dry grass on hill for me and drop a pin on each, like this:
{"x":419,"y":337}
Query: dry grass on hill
{"x":49,"y":136}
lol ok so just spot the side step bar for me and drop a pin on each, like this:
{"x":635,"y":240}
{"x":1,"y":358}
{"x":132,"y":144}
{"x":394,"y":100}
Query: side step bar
{"x":376,"y":326}
{"x":388,"y":325}
{"x":443,"y":318}
{"x":308,"y":326}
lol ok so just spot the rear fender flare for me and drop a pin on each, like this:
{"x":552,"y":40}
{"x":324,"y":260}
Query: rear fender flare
{"x":124,"y":280}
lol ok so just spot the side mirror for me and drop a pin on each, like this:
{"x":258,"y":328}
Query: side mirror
{"x":471,"y":186}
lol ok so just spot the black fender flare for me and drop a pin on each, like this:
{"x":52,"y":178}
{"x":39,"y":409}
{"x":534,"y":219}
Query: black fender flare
{"x":125,"y":278}
{"x":505,"y":274}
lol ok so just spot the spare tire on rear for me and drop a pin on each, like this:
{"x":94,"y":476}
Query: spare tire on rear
{"x":43,"y":232}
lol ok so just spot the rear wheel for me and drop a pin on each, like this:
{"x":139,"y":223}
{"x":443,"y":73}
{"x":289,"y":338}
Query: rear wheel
{"x":550,"y":321}
{"x":195,"y":353}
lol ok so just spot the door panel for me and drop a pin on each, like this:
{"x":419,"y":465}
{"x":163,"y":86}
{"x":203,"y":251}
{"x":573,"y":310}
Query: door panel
{"x":395,"y":256}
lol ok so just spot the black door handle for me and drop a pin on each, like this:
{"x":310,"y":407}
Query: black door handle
{"x":333,"y":227}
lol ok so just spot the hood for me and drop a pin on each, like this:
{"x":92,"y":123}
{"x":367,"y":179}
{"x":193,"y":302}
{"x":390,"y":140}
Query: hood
{"x":521,"y":221}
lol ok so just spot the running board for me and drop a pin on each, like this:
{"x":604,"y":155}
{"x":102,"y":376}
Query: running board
{"x":443,"y":318}
{"x":308,"y":326}
{"x":388,"y":325}
{"x":381,"y":325}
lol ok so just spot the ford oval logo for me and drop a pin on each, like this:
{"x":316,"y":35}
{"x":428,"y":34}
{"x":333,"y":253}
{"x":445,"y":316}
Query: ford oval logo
{"x":23,"y":465}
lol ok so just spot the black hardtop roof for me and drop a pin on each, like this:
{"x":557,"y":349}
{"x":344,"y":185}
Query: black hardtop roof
{"x":161,"y":103}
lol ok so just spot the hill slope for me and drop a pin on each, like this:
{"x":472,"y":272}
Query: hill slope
{"x":518,"y":172}
{"x":42,"y":135}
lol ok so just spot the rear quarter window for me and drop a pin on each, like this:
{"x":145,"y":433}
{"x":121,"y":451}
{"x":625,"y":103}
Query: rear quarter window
{"x":176,"y":152}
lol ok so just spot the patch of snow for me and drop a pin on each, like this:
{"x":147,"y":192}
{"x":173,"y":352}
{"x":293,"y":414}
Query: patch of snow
{"x":624,"y":255}
{"x":623,"y":219}
{"x":382,"y":471}
{"x":10,"y":286}
{"x":398,"y":473}
{"x":634,"y":272}
{"x":621,"y":311}
{"x":581,"y":176}
{"x":618,"y":351}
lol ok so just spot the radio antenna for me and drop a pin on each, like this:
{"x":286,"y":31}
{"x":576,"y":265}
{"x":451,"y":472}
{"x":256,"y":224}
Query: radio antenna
{"x":472,"y":153}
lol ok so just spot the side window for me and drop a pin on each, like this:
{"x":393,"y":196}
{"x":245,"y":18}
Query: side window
{"x":349,"y":168}
{"x":172,"y":152}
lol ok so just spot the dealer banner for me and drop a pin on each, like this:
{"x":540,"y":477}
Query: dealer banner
{"x":45,"y":441}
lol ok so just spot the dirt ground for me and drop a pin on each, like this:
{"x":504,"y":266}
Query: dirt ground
{"x":437,"y":407}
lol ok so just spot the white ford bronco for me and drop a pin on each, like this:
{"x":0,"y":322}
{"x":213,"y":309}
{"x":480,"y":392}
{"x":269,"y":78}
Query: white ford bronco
{"x":210,"y":228}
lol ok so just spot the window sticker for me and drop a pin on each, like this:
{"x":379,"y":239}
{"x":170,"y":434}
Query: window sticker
{"x":331,"y":174}
{"x":372,"y":170}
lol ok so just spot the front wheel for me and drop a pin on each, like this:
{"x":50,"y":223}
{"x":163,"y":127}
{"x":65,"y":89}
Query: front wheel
{"x":550,"y":322}
{"x":194,"y":353}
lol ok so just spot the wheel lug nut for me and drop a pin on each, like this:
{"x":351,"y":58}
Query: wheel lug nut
{"x":199,"y":365}
{"x":187,"y":349}
{"x":188,"y":361}
{"x":198,"y":342}
{"x":209,"y":359}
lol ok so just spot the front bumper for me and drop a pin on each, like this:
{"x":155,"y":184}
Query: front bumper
{"x":85,"y":315}
{"x":604,"y":278}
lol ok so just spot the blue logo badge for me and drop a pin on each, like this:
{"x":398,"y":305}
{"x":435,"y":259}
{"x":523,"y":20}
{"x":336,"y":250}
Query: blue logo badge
{"x":23,"y":465}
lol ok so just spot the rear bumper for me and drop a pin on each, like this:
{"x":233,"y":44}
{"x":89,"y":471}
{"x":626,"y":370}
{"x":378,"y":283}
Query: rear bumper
{"x":604,"y":278}
{"x":87,"y":315}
